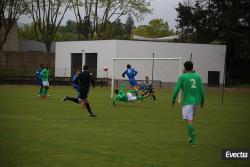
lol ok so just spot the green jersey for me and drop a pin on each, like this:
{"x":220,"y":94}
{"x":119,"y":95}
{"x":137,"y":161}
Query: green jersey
{"x":191,"y":85}
{"x":45,"y":75}
{"x":121,"y":96}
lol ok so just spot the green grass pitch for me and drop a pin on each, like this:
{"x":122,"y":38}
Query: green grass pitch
{"x":36,"y":133}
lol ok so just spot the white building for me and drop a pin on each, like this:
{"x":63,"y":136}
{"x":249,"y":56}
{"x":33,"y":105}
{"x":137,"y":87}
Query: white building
{"x":208,"y":59}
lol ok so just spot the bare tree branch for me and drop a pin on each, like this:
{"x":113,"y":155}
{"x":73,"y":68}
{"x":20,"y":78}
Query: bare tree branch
{"x":47,"y":16}
{"x":10,"y":11}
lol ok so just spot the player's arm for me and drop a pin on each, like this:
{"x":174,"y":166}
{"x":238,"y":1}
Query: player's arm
{"x":176,"y":90}
{"x":135,"y":73}
{"x":38,"y":73}
{"x":92,"y":80}
{"x":123,"y":74}
{"x":201,"y":91}
{"x":122,"y":89}
{"x":114,"y":100}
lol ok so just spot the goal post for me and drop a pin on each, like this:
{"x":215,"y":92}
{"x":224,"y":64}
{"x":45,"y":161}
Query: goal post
{"x":153,"y":59}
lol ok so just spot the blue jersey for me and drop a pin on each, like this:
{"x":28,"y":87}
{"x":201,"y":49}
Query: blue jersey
{"x":76,"y":83}
{"x":75,"y":80}
{"x":39,"y":74}
{"x":131,"y":73}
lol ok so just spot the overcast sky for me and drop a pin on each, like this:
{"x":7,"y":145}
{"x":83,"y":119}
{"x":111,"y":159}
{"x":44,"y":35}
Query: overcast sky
{"x":164,"y":9}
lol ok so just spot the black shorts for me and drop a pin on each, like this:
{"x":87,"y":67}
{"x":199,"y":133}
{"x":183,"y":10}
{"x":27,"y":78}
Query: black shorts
{"x":83,"y":94}
{"x":149,"y":91}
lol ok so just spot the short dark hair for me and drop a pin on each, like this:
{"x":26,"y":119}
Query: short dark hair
{"x":41,"y":65}
{"x":188,"y":66}
{"x":116,"y":91}
{"x":128,"y":66}
{"x":85,"y":67}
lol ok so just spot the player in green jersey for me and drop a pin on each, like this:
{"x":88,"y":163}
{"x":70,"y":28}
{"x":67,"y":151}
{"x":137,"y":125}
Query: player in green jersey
{"x":122,"y":95}
{"x":45,"y":80}
{"x":193,"y":94}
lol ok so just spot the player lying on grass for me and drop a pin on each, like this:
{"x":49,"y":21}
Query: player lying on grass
{"x":85,"y":78}
{"x":147,"y":88}
{"x":193,"y":94}
{"x":122,"y":95}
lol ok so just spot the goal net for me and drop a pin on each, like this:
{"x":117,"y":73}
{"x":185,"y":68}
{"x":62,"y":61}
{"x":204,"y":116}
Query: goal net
{"x":159,"y":70}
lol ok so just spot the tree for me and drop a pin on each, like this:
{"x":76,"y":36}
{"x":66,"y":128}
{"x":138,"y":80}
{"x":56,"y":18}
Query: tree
{"x":184,"y":19}
{"x":232,"y":27}
{"x":141,"y":30}
{"x":155,"y":29}
{"x":27,"y":32}
{"x":10,"y":10}
{"x":69,"y":32}
{"x":47,"y":16}
{"x":202,"y":31}
{"x":102,"y":14}
{"x":118,"y":30}
{"x":226,"y":22}
{"x":129,"y":25}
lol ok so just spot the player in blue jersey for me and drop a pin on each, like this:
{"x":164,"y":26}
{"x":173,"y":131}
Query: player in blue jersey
{"x":76,"y":82}
{"x":131,"y":73}
{"x":39,"y":78}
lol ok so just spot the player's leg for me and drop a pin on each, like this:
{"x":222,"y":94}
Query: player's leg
{"x":47,"y":89}
{"x":46,"y":86}
{"x":73,"y":99}
{"x":77,"y":88}
{"x":43,"y":93}
{"x":133,"y":84}
{"x":41,"y":87}
{"x":188,"y":113}
{"x":131,"y":97}
{"x":153,"y":94}
{"x":145,"y":93}
{"x":85,"y":103}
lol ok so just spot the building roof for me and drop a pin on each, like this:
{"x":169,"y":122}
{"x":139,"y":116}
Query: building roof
{"x":34,"y":46}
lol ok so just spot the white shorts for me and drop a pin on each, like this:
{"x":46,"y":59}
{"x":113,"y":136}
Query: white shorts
{"x":131,"y":97}
{"x":45,"y":83}
{"x":188,"y":112}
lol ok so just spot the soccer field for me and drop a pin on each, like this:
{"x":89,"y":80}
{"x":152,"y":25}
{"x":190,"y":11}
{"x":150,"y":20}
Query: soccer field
{"x":36,"y":132}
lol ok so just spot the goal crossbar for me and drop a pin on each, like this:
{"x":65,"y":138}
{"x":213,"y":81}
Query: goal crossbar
{"x":178,"y":58}
{"x":116,"y":58}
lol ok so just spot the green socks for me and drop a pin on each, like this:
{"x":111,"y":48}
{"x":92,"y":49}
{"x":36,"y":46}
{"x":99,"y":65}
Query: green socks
{"x":44,"y":92}
{"x":191,"y":133}
{"x":40,"y":91}
{"x":140,"y":98}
